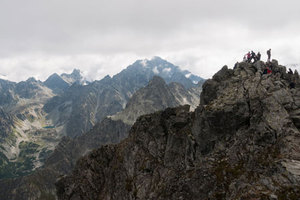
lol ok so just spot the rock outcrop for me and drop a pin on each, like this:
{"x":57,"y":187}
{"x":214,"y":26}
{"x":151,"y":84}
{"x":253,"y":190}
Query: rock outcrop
{"x":242,"y":142}
{"x":6,"y":125}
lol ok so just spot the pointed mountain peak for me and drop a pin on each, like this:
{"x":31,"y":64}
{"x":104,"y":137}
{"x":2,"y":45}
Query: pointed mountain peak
{"x":160,"y":67}
{"x":54,"y":75}
{"x":31,"y":79}
{"x":74,"y":77}
{"x":157,"y":58}
{"x":76,"y":72}
{"x":56,"y":83}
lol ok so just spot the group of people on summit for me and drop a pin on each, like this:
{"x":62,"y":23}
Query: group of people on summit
{"x":252,"y":57}
{"x":269,"y":67}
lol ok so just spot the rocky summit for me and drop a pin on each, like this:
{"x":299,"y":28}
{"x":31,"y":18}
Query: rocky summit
{"x":242,"y":142}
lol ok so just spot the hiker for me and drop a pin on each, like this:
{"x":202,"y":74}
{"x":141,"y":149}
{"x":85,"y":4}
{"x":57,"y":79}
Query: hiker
{"x":269,"y":55}
{"x":253,"y":56}
{"x":249,"y":56}
{"x":267,"y":70}
{"x":245,"y":58}
{"x":292,"y":85}
{"x":258,"y":56}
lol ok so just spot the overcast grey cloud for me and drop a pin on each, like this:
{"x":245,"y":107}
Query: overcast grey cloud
{"x":100,"y":37}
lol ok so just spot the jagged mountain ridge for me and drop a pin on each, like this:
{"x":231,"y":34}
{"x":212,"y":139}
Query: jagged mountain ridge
{"x":84,"y":106}
{"x":65,"y":155}
{"x":59,"y":83}
{"x":38,"y":126}
{"x":242,"y":142}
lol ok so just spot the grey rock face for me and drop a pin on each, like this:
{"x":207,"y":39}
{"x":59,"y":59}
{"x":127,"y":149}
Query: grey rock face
{"x":157,"y":95}
{"x":242,"y":142}
{"x":6,"y":125}
{"x":56,"y":83}
{"x":6,"y":97}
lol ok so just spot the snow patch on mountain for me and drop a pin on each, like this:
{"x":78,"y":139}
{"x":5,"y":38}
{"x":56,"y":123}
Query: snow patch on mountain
{"x":144,"y":62}
{"x":188,"y":75}
{"x":155,"y":70}
{"x":166,"y":70}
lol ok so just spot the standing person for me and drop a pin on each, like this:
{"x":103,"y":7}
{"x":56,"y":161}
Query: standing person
{"x":249,"y":56}
{"x":253,"y":56}
{"x":258,"y":56}
{"x":269,"y":55}
{"x":245,"y":58}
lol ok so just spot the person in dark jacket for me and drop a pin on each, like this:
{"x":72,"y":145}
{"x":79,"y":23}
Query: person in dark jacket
{"x":253,"y":56}
{"x":292,"y":85}
{"x":258,"y":56}
{"x":269,"y":55}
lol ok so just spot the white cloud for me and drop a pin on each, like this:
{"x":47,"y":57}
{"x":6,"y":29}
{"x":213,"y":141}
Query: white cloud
{"x":101,"y":37}
{"x":94,"y":67}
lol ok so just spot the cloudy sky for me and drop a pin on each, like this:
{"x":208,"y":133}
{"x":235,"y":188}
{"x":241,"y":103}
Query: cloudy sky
{"x":99,"y":37}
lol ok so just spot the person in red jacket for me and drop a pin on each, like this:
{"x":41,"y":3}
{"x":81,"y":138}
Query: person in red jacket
{"x":249,"y":56}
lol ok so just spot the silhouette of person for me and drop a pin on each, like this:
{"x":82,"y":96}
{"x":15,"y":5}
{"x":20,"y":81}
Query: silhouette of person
{"x":269,"y":55}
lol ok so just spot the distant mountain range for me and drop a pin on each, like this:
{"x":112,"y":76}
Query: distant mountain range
{"x":80,"y":107}
{"x":36,"y":115}
{"x":155,"y":96}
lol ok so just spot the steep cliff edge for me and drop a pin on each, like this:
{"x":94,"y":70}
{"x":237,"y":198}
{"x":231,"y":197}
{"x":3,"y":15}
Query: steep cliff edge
{"x":242,"y":142}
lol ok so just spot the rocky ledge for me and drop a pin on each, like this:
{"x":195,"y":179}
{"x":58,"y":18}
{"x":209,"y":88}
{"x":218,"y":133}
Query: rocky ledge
{"x":242,"y":142}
